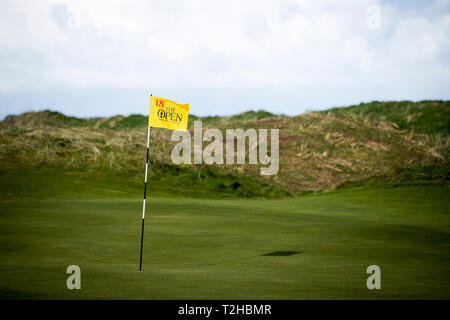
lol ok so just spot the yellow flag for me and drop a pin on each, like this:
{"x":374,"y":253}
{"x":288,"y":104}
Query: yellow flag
{"x":167,"y":114}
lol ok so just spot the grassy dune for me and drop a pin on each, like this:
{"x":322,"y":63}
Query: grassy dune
{"x":318,"y":151}
{"x":428,"y":117}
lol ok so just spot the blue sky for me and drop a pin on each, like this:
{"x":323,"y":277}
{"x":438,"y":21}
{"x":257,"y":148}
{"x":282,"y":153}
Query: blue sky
{"x":101,"y":58}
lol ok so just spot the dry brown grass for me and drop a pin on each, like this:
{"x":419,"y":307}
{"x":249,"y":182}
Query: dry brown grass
{"x":317,"y":150}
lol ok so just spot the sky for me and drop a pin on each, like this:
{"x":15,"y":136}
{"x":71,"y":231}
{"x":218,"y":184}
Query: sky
{"x":103,"y":58}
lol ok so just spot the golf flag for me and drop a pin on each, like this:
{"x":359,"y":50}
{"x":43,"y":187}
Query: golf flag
{"x":167,"y":114}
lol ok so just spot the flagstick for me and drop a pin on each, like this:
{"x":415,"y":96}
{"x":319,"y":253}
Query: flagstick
{"x":145,"y":193}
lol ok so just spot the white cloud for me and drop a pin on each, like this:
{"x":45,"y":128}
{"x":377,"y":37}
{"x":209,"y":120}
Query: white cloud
{"x":59,"y":44}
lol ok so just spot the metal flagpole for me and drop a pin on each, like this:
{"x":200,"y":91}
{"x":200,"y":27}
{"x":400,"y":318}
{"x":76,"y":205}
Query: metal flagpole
{"x":145,"y":194}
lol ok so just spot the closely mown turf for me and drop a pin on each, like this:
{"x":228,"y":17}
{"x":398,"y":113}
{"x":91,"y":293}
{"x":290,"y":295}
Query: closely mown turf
{"x":220,"y":249}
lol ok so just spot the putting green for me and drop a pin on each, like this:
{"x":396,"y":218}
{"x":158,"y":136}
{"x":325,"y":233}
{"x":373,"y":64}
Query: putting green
{"x":217,"y":249}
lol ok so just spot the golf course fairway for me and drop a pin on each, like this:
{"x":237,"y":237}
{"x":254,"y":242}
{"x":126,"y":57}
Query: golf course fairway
{"x":319,"y":246}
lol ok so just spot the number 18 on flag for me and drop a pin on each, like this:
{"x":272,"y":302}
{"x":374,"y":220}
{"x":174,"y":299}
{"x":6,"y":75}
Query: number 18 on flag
{"x":165,"y":113}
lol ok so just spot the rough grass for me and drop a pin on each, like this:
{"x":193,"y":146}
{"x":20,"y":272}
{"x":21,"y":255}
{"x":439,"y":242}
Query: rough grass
{"x":318,"y":151}
{"x":430,"y":117}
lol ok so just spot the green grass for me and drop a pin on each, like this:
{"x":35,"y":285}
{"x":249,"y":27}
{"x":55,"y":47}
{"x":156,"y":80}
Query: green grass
{"x":71,"y":193}
{"x":213,"y":249}
{"x":164,"y":180}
